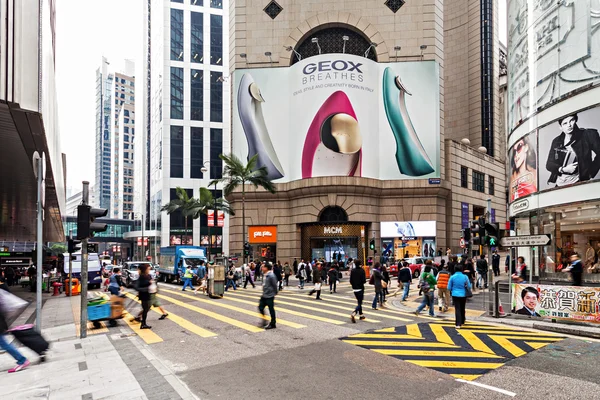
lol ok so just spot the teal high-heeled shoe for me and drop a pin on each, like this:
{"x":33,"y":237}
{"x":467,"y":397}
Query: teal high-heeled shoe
{"x":411,"y":157}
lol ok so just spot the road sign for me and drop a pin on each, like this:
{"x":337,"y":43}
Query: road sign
{"x":525,"y":241}
{"x":462,"y":243}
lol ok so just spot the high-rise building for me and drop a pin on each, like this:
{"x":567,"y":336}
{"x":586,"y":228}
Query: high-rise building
{"x":377,"y":120}
{"x":115,"y":132}
{"x":186,"y":97}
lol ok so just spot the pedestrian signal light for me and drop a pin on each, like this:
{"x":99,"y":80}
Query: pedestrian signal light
{"x":372,"y":244}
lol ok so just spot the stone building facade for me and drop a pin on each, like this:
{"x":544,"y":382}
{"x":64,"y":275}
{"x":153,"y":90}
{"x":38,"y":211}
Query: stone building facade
{"x":268,"y":34}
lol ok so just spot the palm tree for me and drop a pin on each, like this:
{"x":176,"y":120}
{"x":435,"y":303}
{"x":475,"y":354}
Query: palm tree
{"x":182,"y":203}
{"x":237,"y":173}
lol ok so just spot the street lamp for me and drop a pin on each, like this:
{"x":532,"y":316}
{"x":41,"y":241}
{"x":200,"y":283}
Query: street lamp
{"x":345,"y":38}
{"x":316,"y":41}
{"x":142,"y":222}
{"x":204,"y":170}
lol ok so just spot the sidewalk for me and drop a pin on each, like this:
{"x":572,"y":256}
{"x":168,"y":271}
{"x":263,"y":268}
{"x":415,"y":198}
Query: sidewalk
{"x":567,"y":329}
{"x":113,"y":365}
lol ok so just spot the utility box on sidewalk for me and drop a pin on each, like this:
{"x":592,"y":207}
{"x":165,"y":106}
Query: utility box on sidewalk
{"x":216,"y":280}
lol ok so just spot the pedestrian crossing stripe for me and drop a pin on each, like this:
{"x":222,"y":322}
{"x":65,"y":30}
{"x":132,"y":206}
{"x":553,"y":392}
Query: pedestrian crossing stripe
{"x":238,"y":309}
{"x":147,"y":335}
{"x":321,"y":310}
{"x":465,"y":353}
{"x":185,"y":324}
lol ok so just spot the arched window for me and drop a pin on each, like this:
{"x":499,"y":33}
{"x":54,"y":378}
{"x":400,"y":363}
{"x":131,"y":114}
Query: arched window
{"x":333,"y":214}
{"x":337,"y":39}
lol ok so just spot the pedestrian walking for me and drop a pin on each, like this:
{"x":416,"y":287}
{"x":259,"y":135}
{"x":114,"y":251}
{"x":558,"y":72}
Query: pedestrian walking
{"x":116,"y":282}
{"x":295,"y":266}
{"x":482,"y":271}
{"x":427,"y":284}
{"x":188,"y":275}
{"x":248,"y":275}
{"x":268,"y":297}
{"x":201,"y":274}
{"x":287,"y":271}
{"x":376,"y":280}
{"x":154,"y":301}
{"x":230,"y":278}
{"x":459,"y":286}
{"x":496,"y":263}
{"x":452,"y":264}
{"x":469,"y":271}
{"x":386,"y":278}
{"x":358,"y":280}
{"x":521,"y":276}
{"x":143,"y":288}
{"x":9,"y":275}
{"x":22,"y":361}
{"x":442,"y":279}
{"x":277,"y":271}
{"x":301,"y":274}
{"x":404,"y":280}
{"x":309,"y":271}
{"x":576,"y":269}
{"x":332,"y":274}
{"x":32,"y":274}
{"x":324,"y":272}
{"x":317,"y":281}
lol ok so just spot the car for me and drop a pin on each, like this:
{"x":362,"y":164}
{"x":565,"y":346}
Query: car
{"x":131,"y":274}
{"x":415,"y":264}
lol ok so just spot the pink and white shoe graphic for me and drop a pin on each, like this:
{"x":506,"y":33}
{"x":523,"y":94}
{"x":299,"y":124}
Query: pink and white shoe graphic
{"x":333,"y":144}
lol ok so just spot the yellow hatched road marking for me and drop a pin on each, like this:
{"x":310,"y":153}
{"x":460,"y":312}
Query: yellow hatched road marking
{"x":399,"y":344}
{"x":413,"y":330}
{"x":538,"y":345}
{"x":292,"y":312}
{"x":238,"y":309}
{"x":145,"y":334}
{"x":218,"y":317}
{"x":390,"y":330}
{"x":466,"y":377}
{"x":385,"y":336}
{"x":181,"y":322}
{"x":508,"y":345}
{"x":434,"y":353}
{"x":507,"y":332}
{"x":440,"y":334}
{"x":475,"y":342}
{"x":455,"y":364}
{"x":472,"y":326}
{"x":327,"y":302}
{"x":549,"y":339}
{"x":338,"y":314}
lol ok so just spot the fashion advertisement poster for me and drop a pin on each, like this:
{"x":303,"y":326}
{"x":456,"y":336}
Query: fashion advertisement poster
{"x":523,"y":167}
{"x":576,"y":303}
{"x":570,"y":150}
{"x":339,"y":115}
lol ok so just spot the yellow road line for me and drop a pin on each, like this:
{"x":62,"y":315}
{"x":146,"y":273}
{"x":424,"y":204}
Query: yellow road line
{"x":145,"y":334}
{"x":466,"y":377}
{"x":327,"y":301}
{"x":440,"y":334}
{"x":413,"y":330}
{"x":292,"y":312}
{"x":386,"y":330}
{"x":219,"y":317}
{"x":338,"y":314}
{"x":185,"y":324}
{"x":399,"y":344}
{"x":507,"y":332}
{"x":238,"y":309}
{"x":541,"y":338}
{"x":435,"y":353}
{"x":537,"y":345}
{"x":475,"y":342}
{"x":508,"y":346}
{"x":455,"y":364}
{"x":384,"y":336}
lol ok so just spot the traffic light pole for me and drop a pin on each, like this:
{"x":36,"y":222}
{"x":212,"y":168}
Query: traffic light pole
{"x":84,"y":271}
{"x":70,"y":266}
{"x":490,"y":272}
{"x":39,"y":247}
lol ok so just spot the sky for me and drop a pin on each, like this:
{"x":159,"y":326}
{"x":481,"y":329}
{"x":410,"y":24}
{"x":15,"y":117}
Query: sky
{"x":86,"y":30}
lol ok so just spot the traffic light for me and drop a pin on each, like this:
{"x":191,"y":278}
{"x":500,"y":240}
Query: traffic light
{"x":73,"y":246}
{"x":466,"y":234}
{"x":247,"y":249}
{"x":492,"y":234}
{"x":478,"y":231}
{"x":86,"y":215}
{"x":372,"y":244}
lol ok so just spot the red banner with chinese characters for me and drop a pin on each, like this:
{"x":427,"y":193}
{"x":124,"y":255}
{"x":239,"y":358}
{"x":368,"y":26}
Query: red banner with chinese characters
{"x":575,"y":303}
{"x":211,"y":217}
{"x":220,"y":219}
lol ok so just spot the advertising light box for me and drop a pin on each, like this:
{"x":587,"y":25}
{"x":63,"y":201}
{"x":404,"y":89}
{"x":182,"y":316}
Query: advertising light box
{"x":408,"y":229}
{"x":339,"y":115}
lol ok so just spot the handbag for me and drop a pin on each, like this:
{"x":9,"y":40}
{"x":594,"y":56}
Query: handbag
{"x":468,"y":291}
{"x":384,"y":284}
{"x":317,"y":286}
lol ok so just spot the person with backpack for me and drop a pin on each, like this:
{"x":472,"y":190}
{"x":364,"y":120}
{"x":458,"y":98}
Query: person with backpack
{"x":332,"y":274}
{"x":377,"y":280}
{"x":442,"y":279}
{"x":459,"y":286}
{"x":301,"y":274}
{"x":427,"y":284}
{"x":358,"y":280}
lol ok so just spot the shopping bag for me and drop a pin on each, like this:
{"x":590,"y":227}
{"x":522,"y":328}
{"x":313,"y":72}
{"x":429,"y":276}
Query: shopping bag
{"x":11,"y":305}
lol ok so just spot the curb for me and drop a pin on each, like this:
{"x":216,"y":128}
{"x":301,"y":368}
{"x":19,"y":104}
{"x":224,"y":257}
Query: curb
{"x":572,"y":330}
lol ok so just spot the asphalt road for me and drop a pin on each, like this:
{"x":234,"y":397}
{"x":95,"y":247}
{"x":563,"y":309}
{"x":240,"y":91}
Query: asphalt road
{"x":305,"y":358}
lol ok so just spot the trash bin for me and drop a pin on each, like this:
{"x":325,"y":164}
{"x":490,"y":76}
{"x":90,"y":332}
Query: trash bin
{"x":76,"y":287}
{"x":216,"y":280}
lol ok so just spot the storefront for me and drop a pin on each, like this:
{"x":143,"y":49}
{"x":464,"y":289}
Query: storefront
{"x":333,"y":242}
{"x":263,"y":242}
{"x":406,"y":239}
